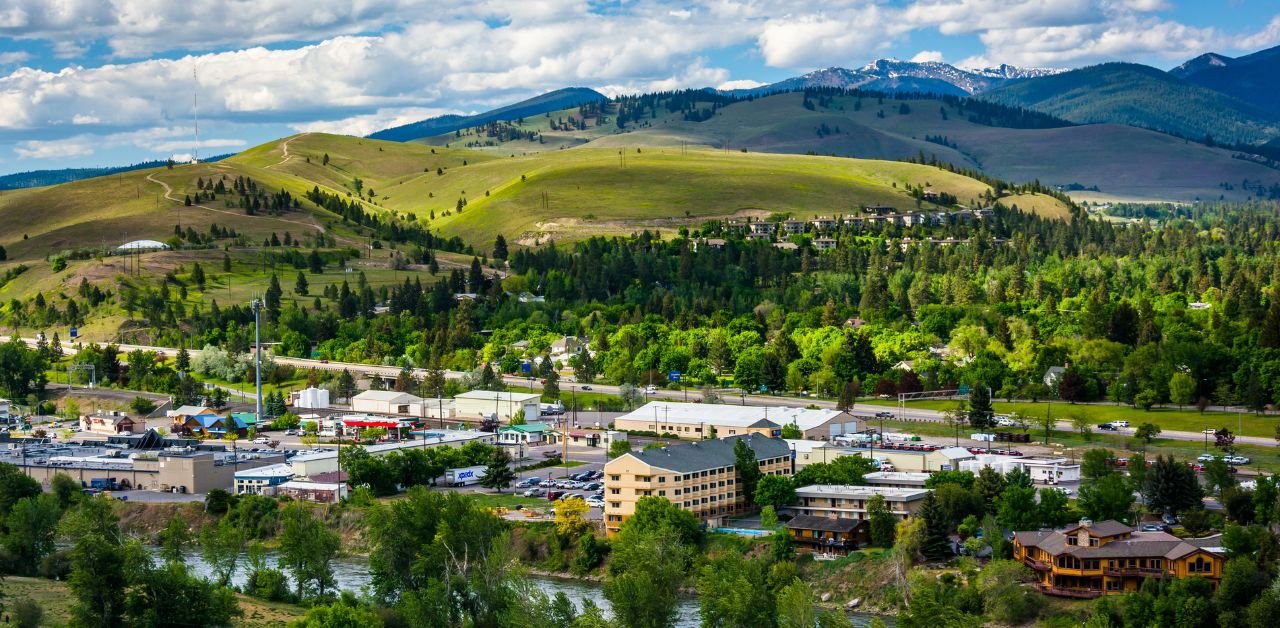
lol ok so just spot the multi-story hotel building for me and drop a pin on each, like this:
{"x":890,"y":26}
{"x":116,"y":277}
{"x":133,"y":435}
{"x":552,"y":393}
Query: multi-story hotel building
{"x":850,"y":502}
{"x":1091,"y":559}
{"x":700,"y":477}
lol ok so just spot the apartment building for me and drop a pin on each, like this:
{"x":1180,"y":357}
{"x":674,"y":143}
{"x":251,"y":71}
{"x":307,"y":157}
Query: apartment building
{"x":1091,"y":559}
{"x":850,"y":502}
{"x":700,"y":477}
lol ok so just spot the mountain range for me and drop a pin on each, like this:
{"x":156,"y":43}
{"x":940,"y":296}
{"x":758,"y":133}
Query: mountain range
{"x":892,"y":75}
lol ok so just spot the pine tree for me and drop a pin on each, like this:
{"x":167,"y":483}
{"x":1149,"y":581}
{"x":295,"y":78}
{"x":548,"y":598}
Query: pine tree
{"x":498,"y":475}
{"x":300,"y":286}
{"x":936,"y":527}
{"x":272,"y":299}
{"x":500,"y":247}
{"x":981,"y":415}
{"x":346,"y":384}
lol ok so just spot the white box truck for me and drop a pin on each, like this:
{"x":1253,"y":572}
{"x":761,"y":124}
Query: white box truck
{"x":464,"y":476}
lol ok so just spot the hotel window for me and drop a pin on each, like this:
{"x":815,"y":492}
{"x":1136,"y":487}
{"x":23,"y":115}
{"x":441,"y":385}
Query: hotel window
{"x":662,"y":479}
{"x":613,"y":477}
{"x":614,"y":491}
{"x":615,"y":504}
{"x":1200,"y":565}
{"x":732,"y":432}
{"x":1113,"y":585}
{"x":662,"y":493}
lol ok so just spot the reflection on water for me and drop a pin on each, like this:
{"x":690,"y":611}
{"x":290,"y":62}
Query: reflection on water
{"x":352,"y":573}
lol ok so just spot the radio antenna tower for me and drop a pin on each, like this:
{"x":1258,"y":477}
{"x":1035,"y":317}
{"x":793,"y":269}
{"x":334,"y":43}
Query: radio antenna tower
{"x":195,"y":114}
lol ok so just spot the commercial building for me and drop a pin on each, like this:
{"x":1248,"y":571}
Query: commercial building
{"x":850,"y":502}
{"x":700,"y":477}
{"x":896,"y":479}
{"x":528,"y":434}
{"x":110,"y":423}
{"x":309,"y":465}
{"x":945,"y":459}
{"x":253,"y":481}
{"x":143,"y":462}
{"x":477,"y":404}
{"x":828,"y":535}
{"x":319,"y":492}
{"x":6,"y":407}
{"x":384,"y":402}
{"x":1042,"y":469}
{"x":697,"y":420}
{"x":807,"y":452}
{"x":1091,"y":559}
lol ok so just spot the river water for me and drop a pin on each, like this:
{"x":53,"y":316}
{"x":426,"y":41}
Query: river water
{"x":352,"y":573}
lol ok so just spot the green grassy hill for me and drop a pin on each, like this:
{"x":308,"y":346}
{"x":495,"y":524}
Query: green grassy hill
{"x":1123,"y":162}
{"x":1137,"y":95}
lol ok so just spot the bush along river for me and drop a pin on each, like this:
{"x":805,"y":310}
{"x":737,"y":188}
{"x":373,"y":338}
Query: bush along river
{"x":352,"y":573}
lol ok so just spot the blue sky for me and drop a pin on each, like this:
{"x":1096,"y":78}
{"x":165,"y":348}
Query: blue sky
{"x":109,"y":82}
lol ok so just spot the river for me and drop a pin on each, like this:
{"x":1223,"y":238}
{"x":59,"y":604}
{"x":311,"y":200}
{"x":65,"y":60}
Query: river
{"x":352,"y":573}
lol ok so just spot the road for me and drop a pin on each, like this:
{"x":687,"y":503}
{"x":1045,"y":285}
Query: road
{"x":391,"y":372}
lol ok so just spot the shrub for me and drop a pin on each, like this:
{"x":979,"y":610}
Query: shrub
{"x":27,"y":613}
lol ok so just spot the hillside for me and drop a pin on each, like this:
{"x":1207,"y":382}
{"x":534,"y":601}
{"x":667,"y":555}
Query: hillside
{"x":40,"y":178}
{"x":1137,"y":95}
{"x":892,"y":75}
{"x":1253,"y":78}
{"x":550,"y":101}
{"x":1123,"y":162}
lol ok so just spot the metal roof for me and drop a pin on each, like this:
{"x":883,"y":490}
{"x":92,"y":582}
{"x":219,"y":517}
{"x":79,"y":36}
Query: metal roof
{"x":709,"y":454}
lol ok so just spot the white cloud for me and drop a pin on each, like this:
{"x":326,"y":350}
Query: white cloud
{"x":1266,"y":38}
{"x":795,"y":41}
{"x":81,"y":118}
{"x":925,"y":56}
{"x":13,"y":56}
{"x":372,"y":122}
{"x":740,"y":84}
{"x":56,"y":149}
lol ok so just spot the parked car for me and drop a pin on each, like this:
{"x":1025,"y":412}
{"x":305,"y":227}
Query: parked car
{"x":535,"y":492}
{"x":1205,"y":458}
{"x":1107,"y":427}
{"x":1238,"y":460}
{"x":262,"y":440}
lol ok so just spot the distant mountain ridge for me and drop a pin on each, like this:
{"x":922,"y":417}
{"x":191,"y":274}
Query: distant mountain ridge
{"x":1143,"y":96}
{"x":41,"y":178}
{"x":1253,"y":78}
{"x":538,"y":105}
{"x":893,"y":75}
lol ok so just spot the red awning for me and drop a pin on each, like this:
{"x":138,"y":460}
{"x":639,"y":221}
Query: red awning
{"x":390,"y":424}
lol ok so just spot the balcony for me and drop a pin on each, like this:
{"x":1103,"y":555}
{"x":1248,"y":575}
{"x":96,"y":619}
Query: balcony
{"x":1083,"y":594}
{"x":1037,"y":565}
{"x":1140,"y":572}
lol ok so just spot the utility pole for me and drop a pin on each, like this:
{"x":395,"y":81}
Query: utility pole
{"x":257,"y":358}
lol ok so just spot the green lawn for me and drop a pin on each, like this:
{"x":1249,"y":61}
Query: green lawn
{"x":508,"y":500}
{"x":1188,"y":420}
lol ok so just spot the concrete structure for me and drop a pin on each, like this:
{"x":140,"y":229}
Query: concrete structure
{"x":1091,"y":559}
{"x":1042,"y":469}
{"x":850,"y":502}
{"x":110,"y":423}
{"x":311,"y":398}
{"x":255,"y":480}
{"x":384,"y":402}
{"x":700,"y":477}
{"x":476,"y":404}
{"x":896,"y":479}
{"x":319,"y":492}
{"x":309,"y":465}
{"x":828,"y":535}
{"x":695,"y":420}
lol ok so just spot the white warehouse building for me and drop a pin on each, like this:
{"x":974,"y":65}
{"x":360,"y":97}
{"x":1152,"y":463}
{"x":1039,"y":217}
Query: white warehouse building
{"x":475,"y":404}
{"x":695,"y":420}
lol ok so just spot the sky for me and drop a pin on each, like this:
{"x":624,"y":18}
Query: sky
{"x":112,"y":82}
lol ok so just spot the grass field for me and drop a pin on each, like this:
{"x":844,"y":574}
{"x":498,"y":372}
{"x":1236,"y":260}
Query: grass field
{"x":1188,"y":420}
{"x":1124,"y":162}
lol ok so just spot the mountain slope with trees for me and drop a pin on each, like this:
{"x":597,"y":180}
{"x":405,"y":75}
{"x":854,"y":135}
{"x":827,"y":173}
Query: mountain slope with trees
{"x":1142,"y":96}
